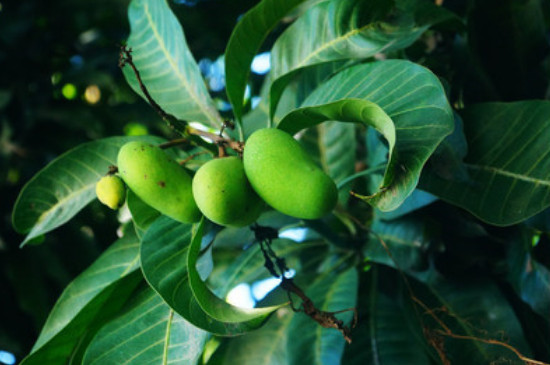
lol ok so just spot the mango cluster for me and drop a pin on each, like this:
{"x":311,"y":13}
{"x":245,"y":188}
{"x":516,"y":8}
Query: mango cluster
{"x":229,"y":191}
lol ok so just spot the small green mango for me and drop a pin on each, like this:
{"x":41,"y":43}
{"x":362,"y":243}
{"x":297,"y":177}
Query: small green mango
{"x":283,"y":175}
{"x":223,"y":193}
{"x":158,"y":180}
{"x":110,"y":190}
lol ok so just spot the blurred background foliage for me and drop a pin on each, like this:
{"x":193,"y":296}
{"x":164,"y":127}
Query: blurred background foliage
{"x":60,"y":86}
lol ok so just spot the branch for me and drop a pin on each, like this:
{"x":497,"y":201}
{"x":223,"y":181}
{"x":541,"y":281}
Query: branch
{"x":444,"y":329}
{"x":264,"y":235}
{"x":173,"y":122}
{"x":325,"y":319}
{"x":126,"y":59}
{"x":217,"y":139}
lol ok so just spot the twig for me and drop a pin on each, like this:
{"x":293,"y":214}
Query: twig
{"x":173,"y":122}
{"x":445,"y":330}
{"x":265,"y":235}
{"x":493,"y":342}
{"x":189,"y":158}
{"x":325,"y":319}
{"x":217,"y":139}
{"x":126,"y":59}
{"x":174,"y":142}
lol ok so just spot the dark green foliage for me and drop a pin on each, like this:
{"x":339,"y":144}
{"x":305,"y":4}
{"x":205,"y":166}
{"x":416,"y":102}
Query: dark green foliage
{"x":432,"y":117}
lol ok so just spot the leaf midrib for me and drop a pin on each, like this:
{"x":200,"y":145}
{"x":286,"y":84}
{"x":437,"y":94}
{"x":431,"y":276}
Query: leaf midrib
{"x":513,"y":175}
{"x":167,"y":338}
{"x":174,"y":67}
{"x":63,"y":201}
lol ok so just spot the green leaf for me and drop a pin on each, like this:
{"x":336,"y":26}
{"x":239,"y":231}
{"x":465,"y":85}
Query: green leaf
{"x":418,"y":199}
{"x":166,"y":65}
{"x":332,"y":146}
{"x":397,"y":321}
{"x":353,"y":29}
{"x":409,"y":94}
{"x":88,"y":302}
{"x":475,"y":308}
{"x":347,"y":110}
{"x":164,"y":253}
{"x":245,"y":42}
{"x":308,"y":342}
{"x":530,"y":278}
{"x":266,"y":346}
{"x":384,"y":335}
{"x":148,"y":332}
{"x":506,"y":173}
{"x":65,"y":186}
{"x":215,"y":307}
{"x":142,"y":214}
{"x":249,"y":265}
{"x":406,"y":241}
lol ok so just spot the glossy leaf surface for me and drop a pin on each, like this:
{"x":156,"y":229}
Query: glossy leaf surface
{"x":245,"y":42}
{"x":214,"y":306}
{"x":340,"y":30}
{"x":505,"y":177}
{"x":88,"y":302}
{"x":310,"y":343}
{"x":166,"y":65}
{"x":386,"y":333}
{"x":61,"y":189}
{"x":164,"y":254}
{"x":410,"y":95}
{"x":148,"y":332}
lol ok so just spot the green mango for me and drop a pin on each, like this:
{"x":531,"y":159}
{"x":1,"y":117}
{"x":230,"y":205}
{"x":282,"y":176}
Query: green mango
{"x":284,"y":175}
{"x":158,"y":180}
{"x":110,"y":190}
{"x":223,"y":193}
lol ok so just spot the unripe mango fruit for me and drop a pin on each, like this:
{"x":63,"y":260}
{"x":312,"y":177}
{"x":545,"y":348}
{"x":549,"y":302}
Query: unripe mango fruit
{"x":284,"y":175}
{"x":110,"y":190}
{"x":223,"y":193}
{"x":158,"y":180}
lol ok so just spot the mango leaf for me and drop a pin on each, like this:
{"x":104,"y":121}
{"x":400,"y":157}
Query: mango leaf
{"x":529,"y":278}
{"x":269,"y":343}
{"x":249,"y":265}
{"x":418,"y":199}
{"x":65,"y":186}
{"x":376,"y":155}
{"x":166,"y":65}
{"x":245,"y":42}
{"x":505,"y":177}
{"x":384,"y":334}
{"x":409,"y":94}
{"x":347,"y":110}
{"x":164,"y":252}
{"x":332,"y":146}
{"x":87,"y":303}
{"x":404,"y":323}
{"x":215,"y":307}
{"x":149,"y":332}
{"x":476,"y":309}
{"x":353,"y":29}
{"x":308,"y":342}
{"x":142,"y":214}
{"x":406,"y":243}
